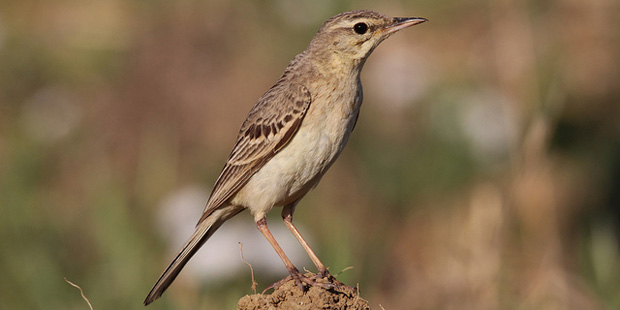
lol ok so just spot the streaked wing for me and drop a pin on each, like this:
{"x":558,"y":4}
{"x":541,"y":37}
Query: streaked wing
{"x":270,"y":125}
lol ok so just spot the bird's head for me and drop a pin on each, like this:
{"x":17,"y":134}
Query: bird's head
{"x":352,"y":36}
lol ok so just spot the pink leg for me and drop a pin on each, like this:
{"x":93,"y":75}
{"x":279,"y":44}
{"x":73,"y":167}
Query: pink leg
{"x":287,"y":216}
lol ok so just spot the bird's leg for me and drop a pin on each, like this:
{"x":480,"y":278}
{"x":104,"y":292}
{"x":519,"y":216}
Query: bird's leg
{"x":287,"y":217}
{"x":292,"y":270}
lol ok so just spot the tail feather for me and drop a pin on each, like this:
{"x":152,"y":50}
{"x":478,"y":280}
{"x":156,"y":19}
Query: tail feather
{"x":204,"y":230}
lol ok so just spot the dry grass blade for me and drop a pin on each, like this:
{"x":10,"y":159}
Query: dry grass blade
{"x":343,"y":270}
{"x":254,"y":283}
{"x":81,"y":293}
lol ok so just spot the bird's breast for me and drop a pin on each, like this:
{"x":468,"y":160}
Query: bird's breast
{"x":299,"y":166}
{"x":323,"y":134}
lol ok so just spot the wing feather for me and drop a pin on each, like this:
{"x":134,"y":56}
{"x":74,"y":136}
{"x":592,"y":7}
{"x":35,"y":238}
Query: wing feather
{"x":270,"y":125}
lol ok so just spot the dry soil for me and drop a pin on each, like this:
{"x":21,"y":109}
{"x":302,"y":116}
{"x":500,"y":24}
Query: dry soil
{"x":289,"y":296}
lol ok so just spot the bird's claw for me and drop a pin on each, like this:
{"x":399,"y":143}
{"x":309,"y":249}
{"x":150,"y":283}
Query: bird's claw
{"x":327,"y":282}
{"x":277,"y":285}
{"x":331,"y":280}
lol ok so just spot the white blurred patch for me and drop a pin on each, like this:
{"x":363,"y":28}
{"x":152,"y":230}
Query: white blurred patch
{"x":219,"y":258}
{"x":489,"y":122}
{"x":50,"y":114}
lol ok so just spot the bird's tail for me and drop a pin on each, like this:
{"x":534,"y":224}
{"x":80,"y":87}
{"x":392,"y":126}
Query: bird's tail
{"x":204,"y":230}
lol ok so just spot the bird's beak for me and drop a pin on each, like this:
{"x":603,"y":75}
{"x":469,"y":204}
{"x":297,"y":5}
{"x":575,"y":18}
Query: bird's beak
{"x":399,"y":23}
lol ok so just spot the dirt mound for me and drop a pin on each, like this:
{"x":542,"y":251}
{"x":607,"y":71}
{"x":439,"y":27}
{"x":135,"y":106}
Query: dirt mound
{"x":290,"y":296}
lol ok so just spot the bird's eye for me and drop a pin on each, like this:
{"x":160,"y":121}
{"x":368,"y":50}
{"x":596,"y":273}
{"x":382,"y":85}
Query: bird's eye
{"x":360,"y":28}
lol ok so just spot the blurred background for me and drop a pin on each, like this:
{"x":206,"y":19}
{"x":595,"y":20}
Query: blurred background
{"x":484,"y":172}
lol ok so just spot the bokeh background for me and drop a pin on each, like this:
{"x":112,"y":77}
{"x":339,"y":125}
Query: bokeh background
{"x":484,"y":172}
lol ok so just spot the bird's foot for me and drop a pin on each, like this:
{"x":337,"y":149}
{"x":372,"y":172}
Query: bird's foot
{"x":304,"y":282}
{"x":324,"y":274}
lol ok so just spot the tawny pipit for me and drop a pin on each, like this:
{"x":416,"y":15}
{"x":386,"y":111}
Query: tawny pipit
{"x":293,"y":135}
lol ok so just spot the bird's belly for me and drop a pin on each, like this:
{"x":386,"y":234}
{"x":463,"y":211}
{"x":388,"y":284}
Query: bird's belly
{"x":296,"y":169}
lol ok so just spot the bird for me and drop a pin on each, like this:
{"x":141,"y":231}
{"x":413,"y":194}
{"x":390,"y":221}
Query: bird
{"x":292,"y":136}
